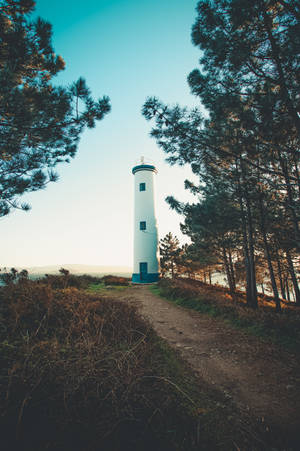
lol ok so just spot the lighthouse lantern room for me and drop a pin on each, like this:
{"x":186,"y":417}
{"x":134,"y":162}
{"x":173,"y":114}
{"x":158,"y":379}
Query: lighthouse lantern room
{"x":146,"y":261}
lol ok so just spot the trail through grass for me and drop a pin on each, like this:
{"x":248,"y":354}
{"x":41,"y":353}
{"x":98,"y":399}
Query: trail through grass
{"x":282,"y":329}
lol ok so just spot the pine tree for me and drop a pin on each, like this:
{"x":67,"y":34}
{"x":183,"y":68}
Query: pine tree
{"x":40,"y":122}
{"x":249,"y":83}
{"x":213,"y":225}
{"x":169,"y":255}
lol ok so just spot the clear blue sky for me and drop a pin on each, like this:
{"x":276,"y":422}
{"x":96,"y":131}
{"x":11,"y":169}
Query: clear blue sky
{"x":128,"y":50}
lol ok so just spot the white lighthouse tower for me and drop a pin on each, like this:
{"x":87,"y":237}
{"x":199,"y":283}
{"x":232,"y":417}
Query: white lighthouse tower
{"x":146,"y":262}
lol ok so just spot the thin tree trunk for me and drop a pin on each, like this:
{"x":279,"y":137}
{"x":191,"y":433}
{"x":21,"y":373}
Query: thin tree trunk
{"x":279,"y":271}
{"x":227,"y":269}
{"x":251,"y":255}
{"x":245,"y":240}
{"x":293,"y":277}
{"x":297,"y":171}
{"x":232,"y":270}
{"x":268,"y":255}
{"x":290,"y":200}
{"x":287,"y":289}
{"x":251,"y":245}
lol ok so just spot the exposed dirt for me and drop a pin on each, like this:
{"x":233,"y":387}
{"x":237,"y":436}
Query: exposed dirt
{"x":261,"y":379}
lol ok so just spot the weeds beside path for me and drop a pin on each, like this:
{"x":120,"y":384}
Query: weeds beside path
{"x":261,"y":379}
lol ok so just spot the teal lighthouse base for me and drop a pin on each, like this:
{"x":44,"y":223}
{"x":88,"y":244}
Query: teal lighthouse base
{"x":145,"y":278}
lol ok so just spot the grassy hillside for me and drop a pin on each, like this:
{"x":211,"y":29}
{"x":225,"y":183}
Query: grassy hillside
{"x":81,"y":371}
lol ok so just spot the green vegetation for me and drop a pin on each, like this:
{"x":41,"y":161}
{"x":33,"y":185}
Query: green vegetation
{"x":108,"y":284}
{"x":83,"y":371}
{"x":101,"y":288}
{"x":40,"y":121}
{"x":242,"y":144}
{"x":282,"y":329}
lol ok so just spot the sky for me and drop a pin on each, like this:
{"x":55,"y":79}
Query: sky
{"x":128,"y":50}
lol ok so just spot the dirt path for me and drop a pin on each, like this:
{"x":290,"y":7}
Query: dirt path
{"x":260,"y":378}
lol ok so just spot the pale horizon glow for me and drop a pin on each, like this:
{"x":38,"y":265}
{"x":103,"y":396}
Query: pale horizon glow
{"x":128,"y":51}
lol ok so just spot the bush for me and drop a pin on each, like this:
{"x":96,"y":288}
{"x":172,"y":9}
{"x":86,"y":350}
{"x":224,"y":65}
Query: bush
{"x":115,"y":280}
{"x":70,"y":280}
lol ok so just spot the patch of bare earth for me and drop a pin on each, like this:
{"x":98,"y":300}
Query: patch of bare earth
{"x":261,"y":379}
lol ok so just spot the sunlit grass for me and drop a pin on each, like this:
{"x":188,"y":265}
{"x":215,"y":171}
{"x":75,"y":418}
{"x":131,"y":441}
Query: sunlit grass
{"x":101,"y":288}
{"x":281,"y":329}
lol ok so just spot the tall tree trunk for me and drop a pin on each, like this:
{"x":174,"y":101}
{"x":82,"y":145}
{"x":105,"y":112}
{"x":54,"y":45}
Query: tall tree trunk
{"x":251,"y":256}
{"x":267,"y":253}
{"x":249,"y":295}
{"x":297,"y":171}
{"x":249,"y":224}
{"x":293,"y":277}
{"x":290,"y":200}
{"x":227,"y":270}
{"x":232,"y":270}
{"x":279,"y":271}
{"x":287,"y":288}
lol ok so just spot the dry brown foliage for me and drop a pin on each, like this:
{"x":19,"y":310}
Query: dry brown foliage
{"x":80,"y":373}
{"x":283,"y":328}
{"x":115,"y":280}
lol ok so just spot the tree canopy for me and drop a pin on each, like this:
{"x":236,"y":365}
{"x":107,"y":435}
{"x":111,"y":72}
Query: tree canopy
{"x":248,"y":144}
{"x":40,"y":121}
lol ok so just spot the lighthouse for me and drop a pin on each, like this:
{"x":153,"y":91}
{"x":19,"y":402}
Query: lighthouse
{"x":146,"y":262}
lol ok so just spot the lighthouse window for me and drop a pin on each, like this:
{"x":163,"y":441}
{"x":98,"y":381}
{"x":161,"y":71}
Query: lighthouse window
{"x":143,"y":225}
{"x":142,"y":186}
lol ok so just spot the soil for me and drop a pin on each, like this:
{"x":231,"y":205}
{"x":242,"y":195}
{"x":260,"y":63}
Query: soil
{"x":261,"y":379}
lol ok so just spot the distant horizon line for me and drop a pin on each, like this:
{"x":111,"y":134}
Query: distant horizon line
{"x":61,"y":265}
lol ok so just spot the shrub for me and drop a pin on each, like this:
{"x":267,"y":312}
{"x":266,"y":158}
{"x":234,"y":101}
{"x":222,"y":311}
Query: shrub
{"x":115,"y":280}
{"x":70,"y":280}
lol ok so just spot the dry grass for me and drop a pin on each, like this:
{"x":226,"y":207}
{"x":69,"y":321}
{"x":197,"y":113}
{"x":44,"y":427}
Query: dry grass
{"x":83,"y":373}
{"x":281,"y":328}
{"x":115,"y":280}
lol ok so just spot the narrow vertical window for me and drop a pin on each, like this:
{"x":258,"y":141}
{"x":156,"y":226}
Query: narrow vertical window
{"x":143,"y":225}
{"x":142,"y":186}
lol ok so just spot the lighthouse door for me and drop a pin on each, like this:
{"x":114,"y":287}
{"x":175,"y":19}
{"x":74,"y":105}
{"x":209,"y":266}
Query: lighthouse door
{"x":143,"y":271}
